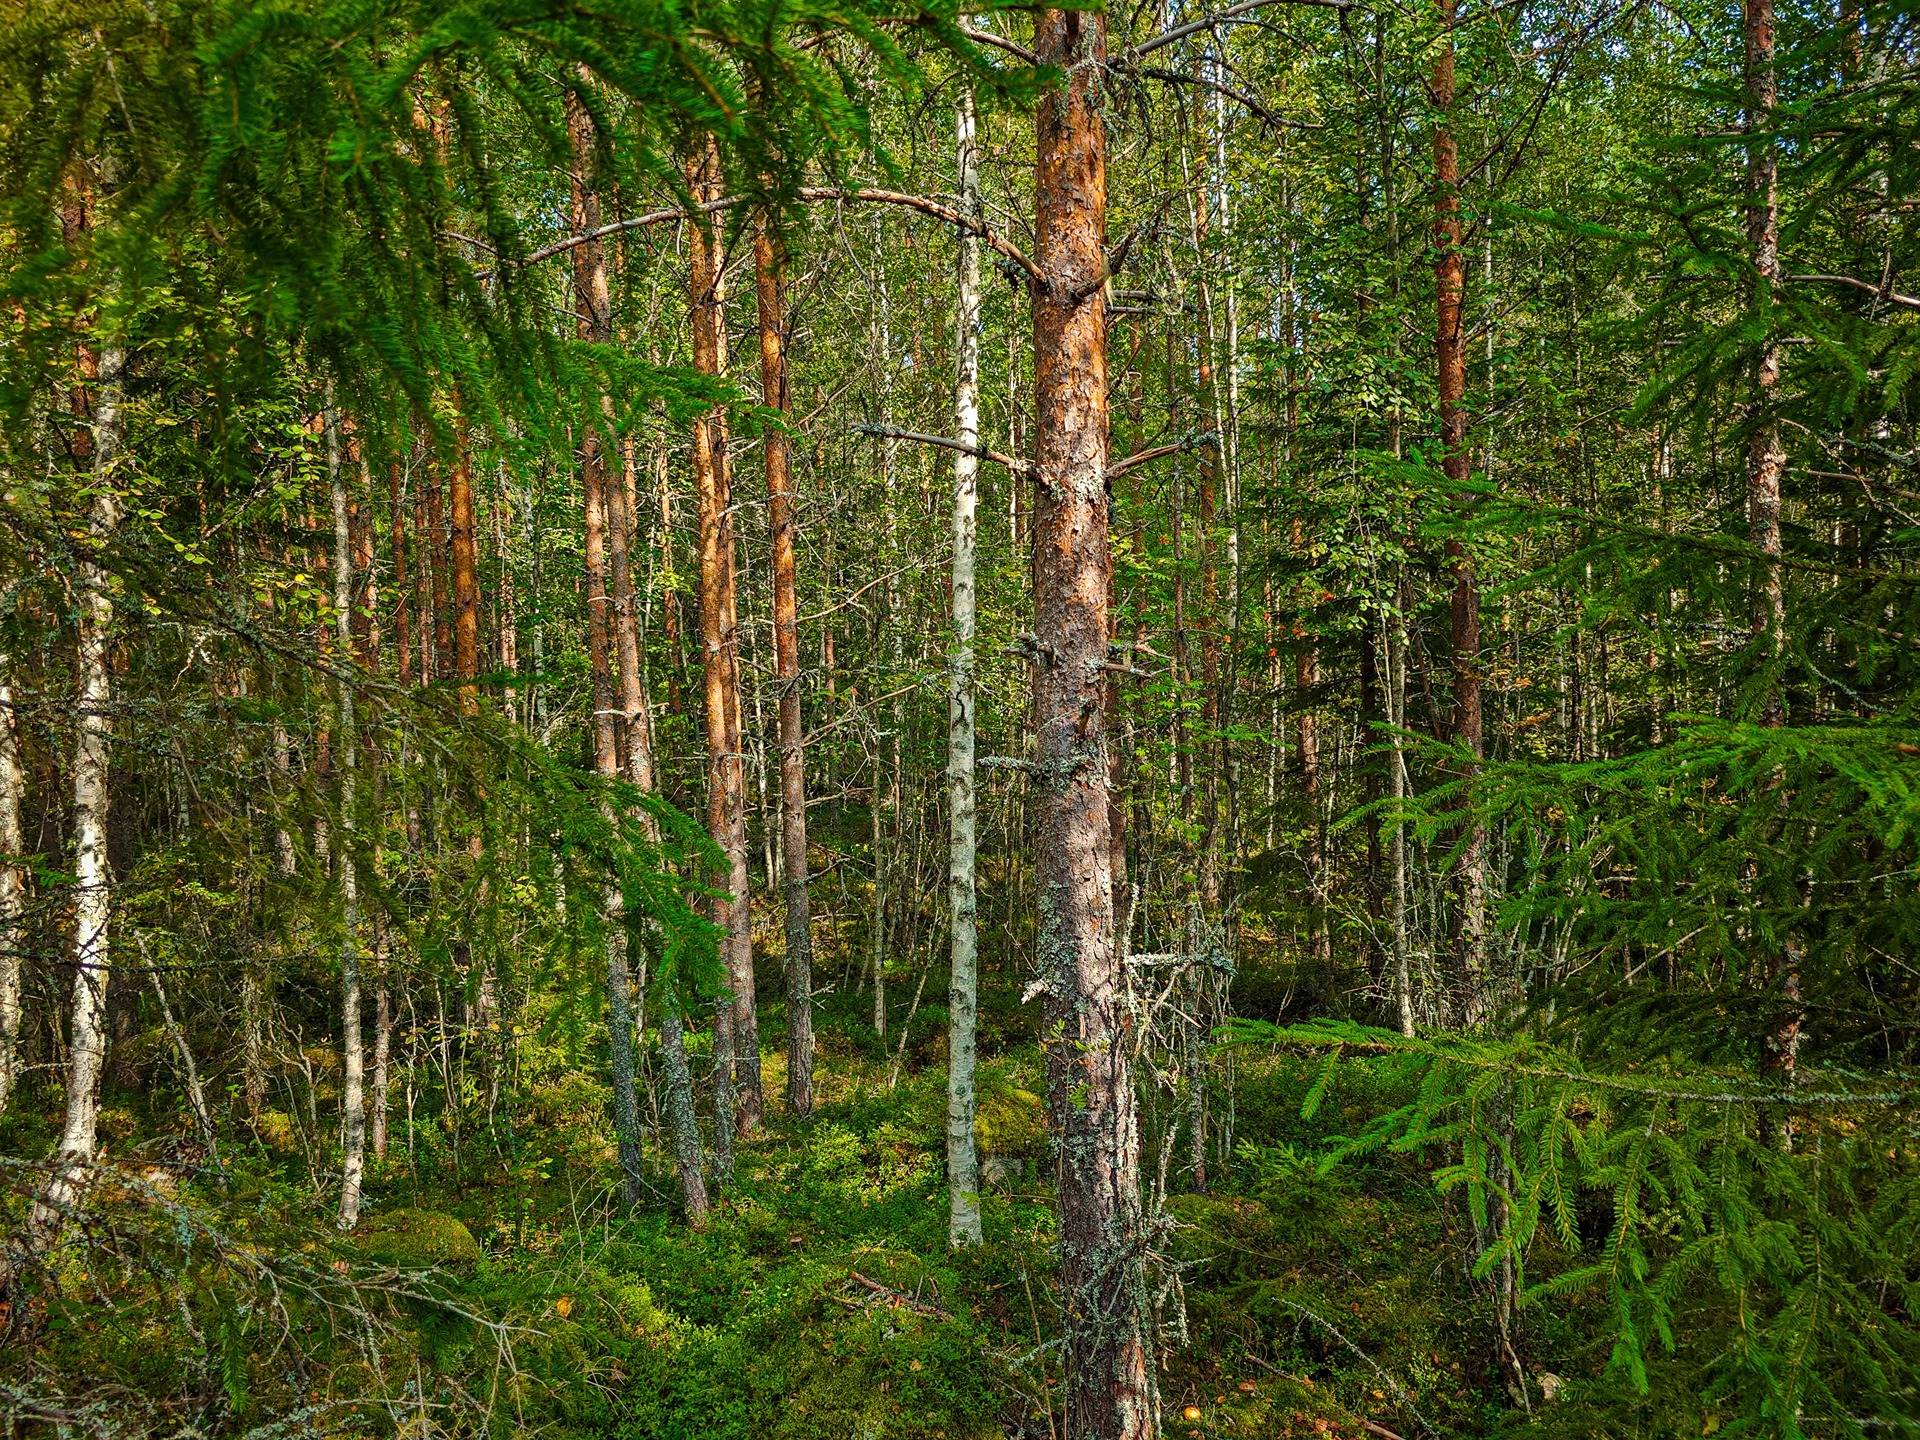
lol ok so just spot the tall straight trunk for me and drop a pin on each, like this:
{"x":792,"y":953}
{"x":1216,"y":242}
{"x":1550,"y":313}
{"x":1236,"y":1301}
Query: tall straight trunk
{"x":1450,"y":359}
{"x":770,"y":263}
{"x":433,"y":544}
{"x":1394,"y":653}
{"x":1208,"y":462}
{"x":13,"y":888}
{"x":97,"y":395}
{"x":404,"y":672}
{"x":1089,"y":1070}
{"x":382,"y":1064}
{"x":736,"y":1034}
{"x":606,"y":754}
{"x":353,"y":1098}
{"x":604,"y":514}
{"x":963,"y":1159}
{"x":1767,"y":462}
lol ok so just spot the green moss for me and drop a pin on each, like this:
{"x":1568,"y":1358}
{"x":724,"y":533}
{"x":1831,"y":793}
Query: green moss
{"x":1010,"y":1120}
{"x":418,"y":1240}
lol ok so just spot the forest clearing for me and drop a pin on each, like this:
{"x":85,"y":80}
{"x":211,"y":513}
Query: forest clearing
{"x":780,"y":720}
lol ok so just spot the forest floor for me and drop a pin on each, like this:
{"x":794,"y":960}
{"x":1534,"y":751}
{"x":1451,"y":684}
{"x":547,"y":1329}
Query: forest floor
{"x":821,"y":1302}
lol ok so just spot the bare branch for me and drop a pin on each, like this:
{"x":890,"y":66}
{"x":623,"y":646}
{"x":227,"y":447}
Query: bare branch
{"x":924,"y":204}
{"x":1141,"y":457}
{"x":889,"y":432}
{"x":1892,"y":297}
{"x":1224,"y":17}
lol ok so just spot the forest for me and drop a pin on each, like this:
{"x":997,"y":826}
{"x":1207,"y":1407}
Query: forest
{"x":945,"y":719}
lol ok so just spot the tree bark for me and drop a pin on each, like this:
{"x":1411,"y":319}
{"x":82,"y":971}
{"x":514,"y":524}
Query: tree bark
{"x":594,"y":317}
{"x":770,"y":263}
{"x":1089,"y":1073}
{"x":1449,"y":268}
{"x":963,"y":1160}
{"x":13,"y":887}
{"x":736,"y":1038}
{"x":353,"y":1060}
{"x":97,"y":396}
{"x":1767,"y":466}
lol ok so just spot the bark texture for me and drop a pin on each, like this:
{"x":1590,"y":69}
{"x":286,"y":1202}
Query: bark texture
{"x":353,"y":1098}
{"x":605,"y":516}
{"x":1089,"y":1075}
{"x":736,"y":1039}
{"x":12,"y":887}
{"x":1450,"y":360}
{"x":963,"y":1158}
{"x":96,"y":402}
{"x":770,"y":264}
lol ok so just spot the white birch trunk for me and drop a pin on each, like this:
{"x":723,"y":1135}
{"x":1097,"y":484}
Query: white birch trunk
{"x":93,"y":888}
{"x":12,"y":887}
{"x":963,"y":1160}
{"x":353,"y":1084}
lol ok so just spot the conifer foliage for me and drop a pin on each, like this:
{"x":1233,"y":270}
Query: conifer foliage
{"x":889,"y":718}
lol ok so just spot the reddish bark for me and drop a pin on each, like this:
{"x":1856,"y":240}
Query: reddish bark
{"x":1089,"y":1078}
{"x":738,"y":1028}
{"x":1449,"y":270}
{"x":770,"y":288}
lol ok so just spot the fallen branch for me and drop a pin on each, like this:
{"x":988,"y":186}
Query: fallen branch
{"x":897,"y":1297}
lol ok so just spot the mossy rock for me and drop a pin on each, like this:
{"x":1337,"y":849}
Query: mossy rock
{"x":1010,"y":1121}
{"x":418,"y":1240}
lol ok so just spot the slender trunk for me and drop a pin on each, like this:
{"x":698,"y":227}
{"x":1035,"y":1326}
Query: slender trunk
{"x":770,"y":261}
{"x":1394,"y":646}
{"x":1469,"y":923}
{"x":12,"y":887}
{"x":382,"y":1066}
{"x":97,"y":400}
{"x":1767,"y":466}
{"x":736,"y":1038}
{"x":1089,"y":1072}
{"x":189,"y":1071}
{"x":432,"y":542}
{"x":353,"y":1061}
{"x":619,"y":981}
{"x":594,"y":312}
{"x":963,"y":1160}
{"x":1208,"y":464}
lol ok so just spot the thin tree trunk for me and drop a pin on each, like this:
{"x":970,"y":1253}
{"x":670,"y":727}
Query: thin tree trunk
{"x":770,"y":261}
{"x":1469,"y":923}
{"x":1089,"y":1072}
{"x":189,"y":1071}
{"x":736,"y":1040}
{"x":353,"y":1061}
{"x":1767,"y":465}
{"x":97,"y":401}
{"x":594,"y":311}
{"x":382,"y":1066}
{"x":963,"y":1160}
{"x":13,"y":888}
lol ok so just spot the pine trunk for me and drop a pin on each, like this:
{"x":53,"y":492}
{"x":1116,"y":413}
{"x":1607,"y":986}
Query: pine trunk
{"x":1089,"y":1072}
{"x":736,"y":1038}
{"x":1469,"y":921}
{"x":770,"y":263}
